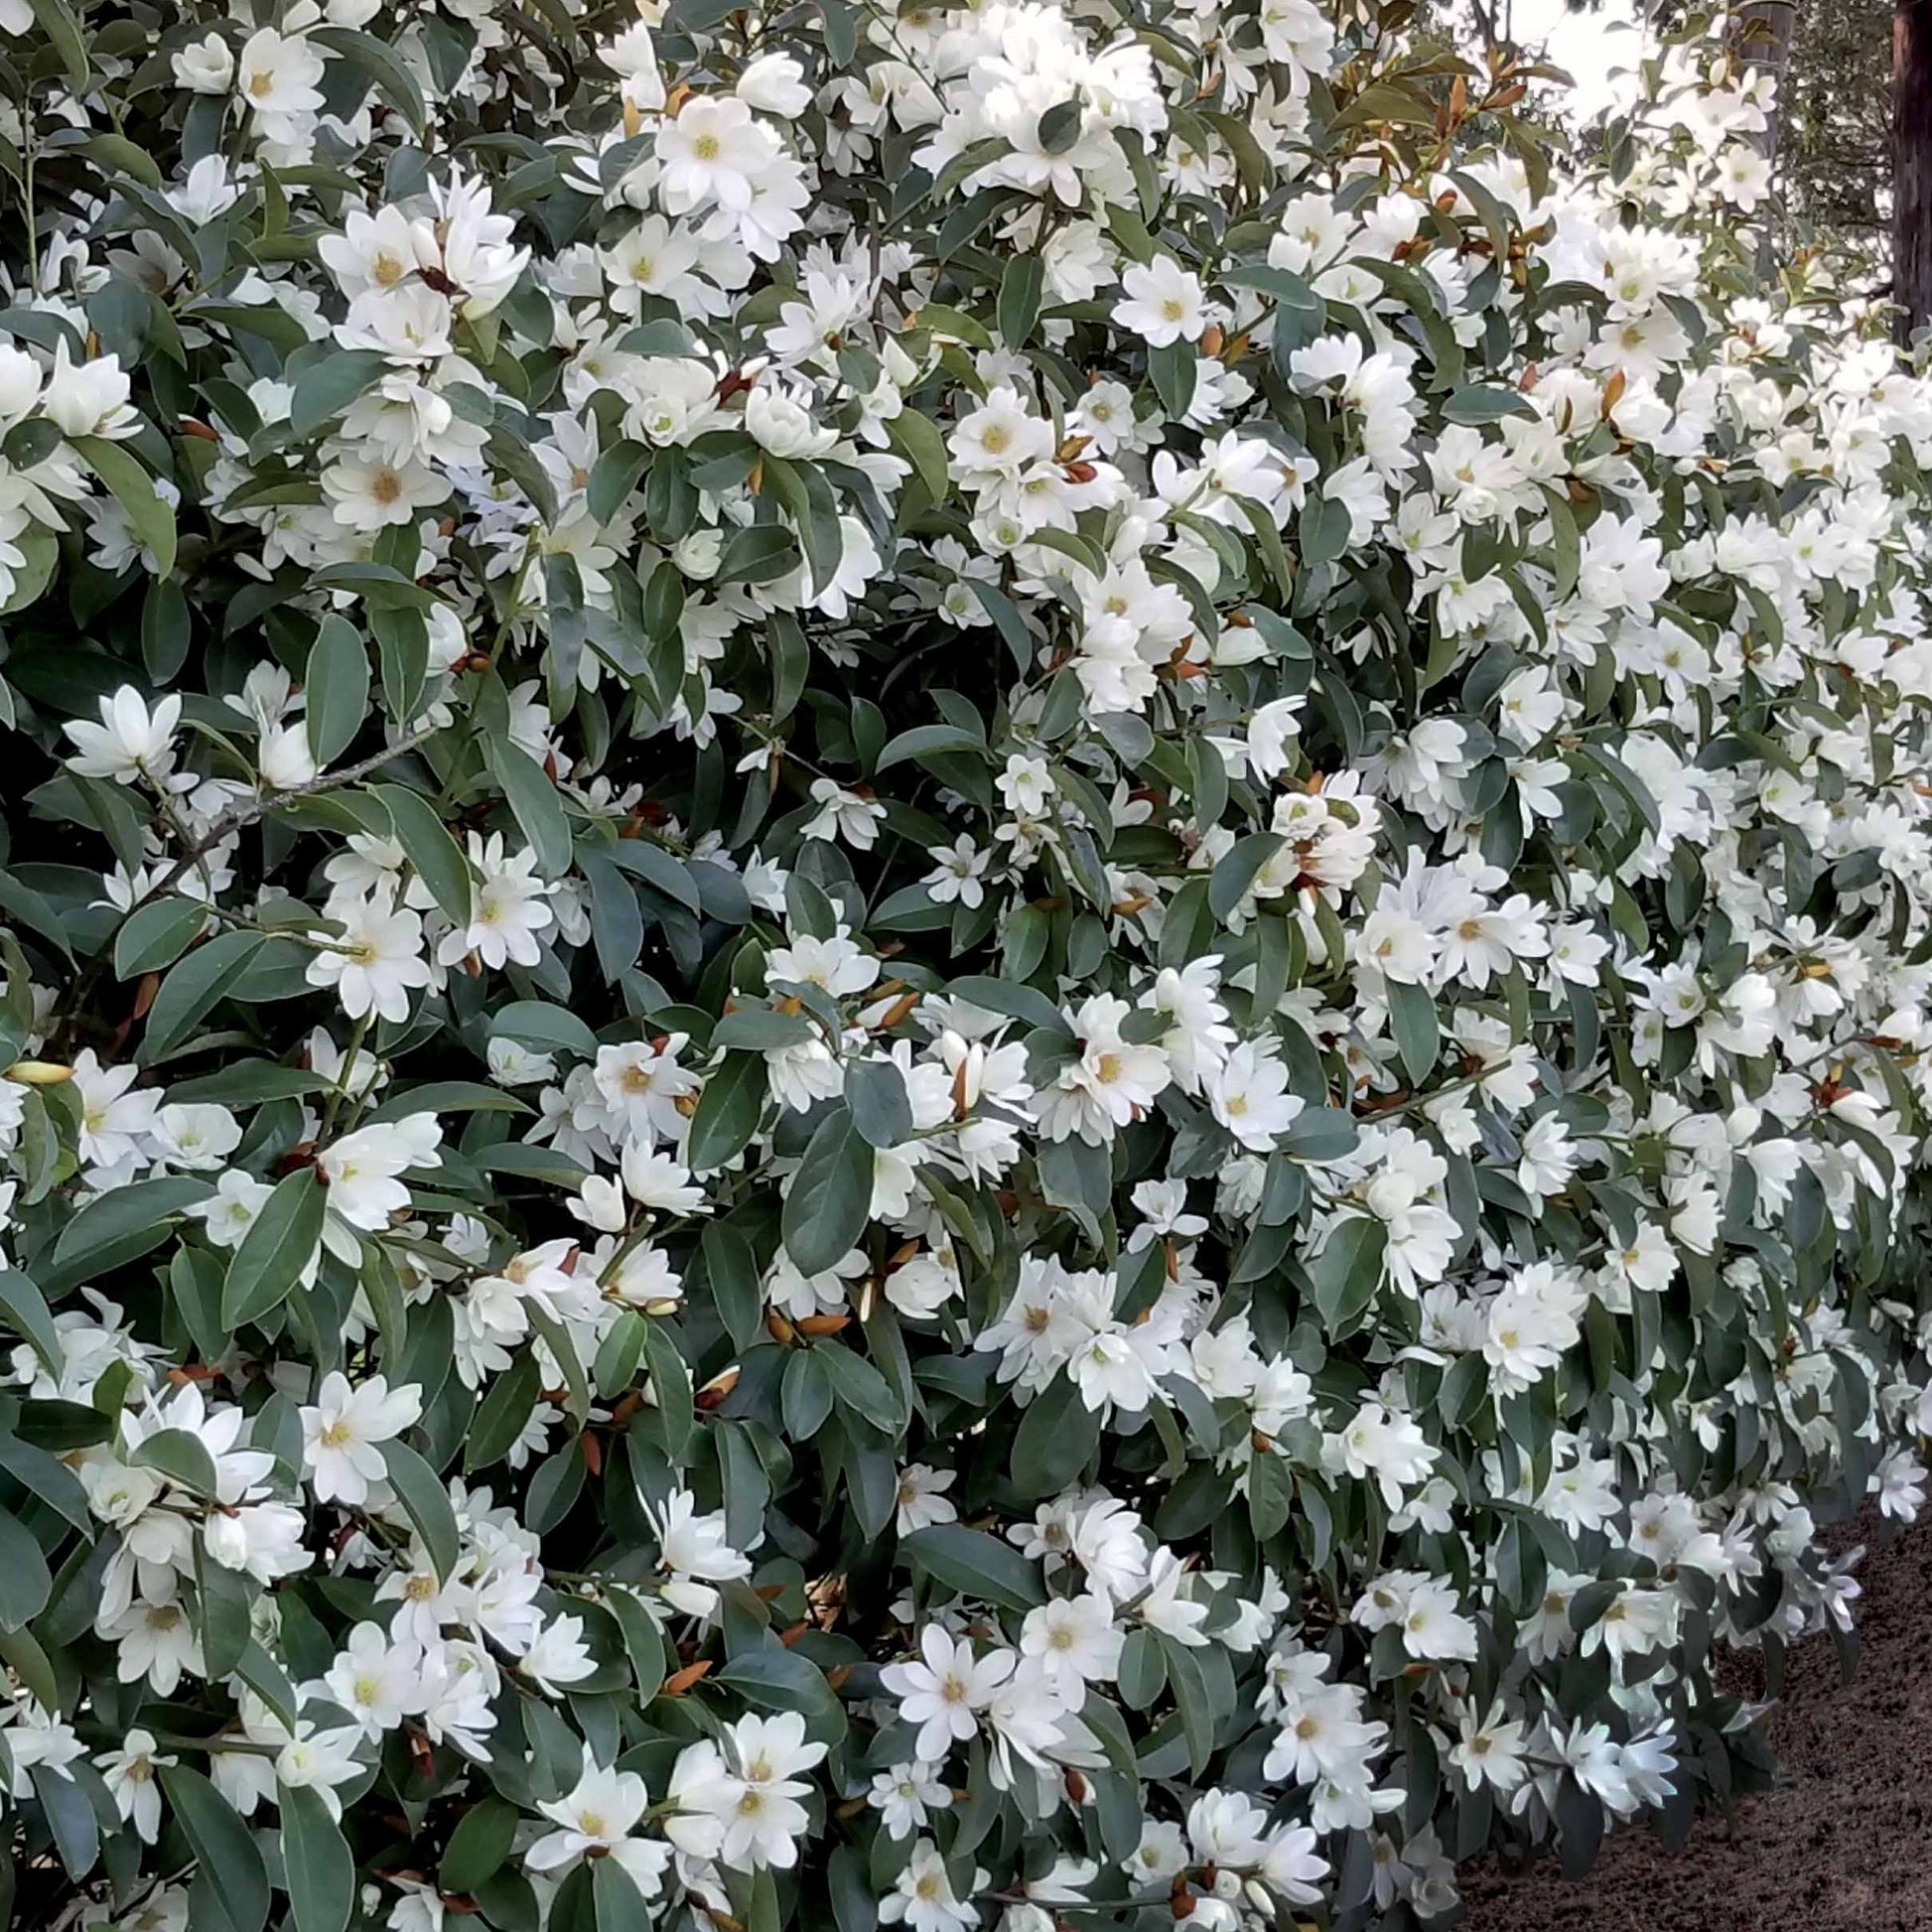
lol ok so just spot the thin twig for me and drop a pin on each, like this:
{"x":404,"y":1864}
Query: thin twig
{"x":235,"y":819}
{"x":239,"y":817}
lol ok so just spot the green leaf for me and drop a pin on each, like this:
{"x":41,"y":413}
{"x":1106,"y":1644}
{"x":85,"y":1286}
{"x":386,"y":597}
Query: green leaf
{"x":436,"y":857}
{"x":379,"y":61}
{"x":728,"y":1112}
{"x":773,"y":1678}
{"x":1009,"y":996}
{"x":859,"y":1387}
{"x":506,"y":1406}
{"x":1060,"y":128}
{"x":815,"y":512}
{"x":644,"y":1642}
{"x":663,"y":601}
{"x":42,"y":552}
{"x":248,"y":1083}
{"x":67,"y":1802}
{"x":479,"y":1846}
{"x":116,"y":153}
{"x":1238,"y":869}
{"x":221,"y":1844}
{"x":658,"y":868}
{"x":376,"y":585}
{"x":619,"y":1906}
{"x":1498,"y":219}
{"x":759,"y":553}
{"x":556,"y":1337}
{"x":854,"y":1908}
{"x":1171,"y":369}
{"x":52,"y":1481}
{"x":805,"y":1395}
{"x":18,"y":1023}
{"x":193,"y":986}
{"x":26,"y":1583}
{"x":1076,"y":1176}
{"x":829,"y":1204}
{"x":544,"y":1029}
{"x":119,"y":1228}
{"x":670,"y":1383}
{"x":1142,"y":1669}
{"x":928,"y":741}
{"x":512,"y":455}
{"x":1565,"y":543}
{"x":1020,"y":290}
{"x":167,"y":630}
{"x":223,"y":1600}
{"x":336,"y":683}
{"x":841,"y":24}
{"x":1411,"y":1018}
{"x":58,"y":23}
{"x":1642,"y":802}
{"x":26,"y":1313}
{"x":919,"y":439}
{"x":1057,"y":1436}
{"x":31,"y":911}
{"x":1268,"y":542}
{"x":1006,"y":619}
{"x":534,"y":802}
{"x":328,"y":385}
{"x":319,"y":1873}
{"x":20,"y":1652}
{"x":1390,"y":101}
{"x":152,"y":519}
{"x":882,"y":1109}
{"x":1129,"y":231}
{"x":155,"y":934}
{"x":954,"y":323}
{"x":1486,"y":403}
{"x":755,"y":1029}
{"x":402,"y":650}
{"x":1326,"y":529}
{"x":1321,"y":1134}
{"x":276,"y":1251}
{"x":974,"y":1565}
{"x":58,"y":1426}
{"x":614,"y":477}
{"x":260,"y":1672}
{"x":1271,"y":1494}
{"x":731,"y":1269}
{"x":618,"y":1355}
{"x":617,"y":924}
{"x":1189,"y":1686}
{"x":427,"y":1504}
{"x":531,"y":1162}
{"x":1348,"y":1269}
{"x":181,"y":1457}
{"x":448,"y":1097}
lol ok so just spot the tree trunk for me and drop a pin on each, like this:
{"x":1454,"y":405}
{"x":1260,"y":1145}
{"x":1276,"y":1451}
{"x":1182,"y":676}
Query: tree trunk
{"x":1911,"y":129}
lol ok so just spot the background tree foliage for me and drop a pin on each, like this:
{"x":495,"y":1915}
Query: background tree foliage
{"x":1835,"y":132}
{"x":962,"y":967}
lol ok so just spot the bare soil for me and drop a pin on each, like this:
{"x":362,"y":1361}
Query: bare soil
{"x":1842,"y":1844}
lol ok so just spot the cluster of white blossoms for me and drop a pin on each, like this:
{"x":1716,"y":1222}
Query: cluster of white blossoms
{"x":960,"y":966}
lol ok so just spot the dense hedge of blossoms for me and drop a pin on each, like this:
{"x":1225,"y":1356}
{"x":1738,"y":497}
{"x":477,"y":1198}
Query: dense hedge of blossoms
{"x":961,"y":968}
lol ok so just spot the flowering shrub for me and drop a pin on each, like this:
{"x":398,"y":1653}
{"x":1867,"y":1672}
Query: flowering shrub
{"x":958,"y":966}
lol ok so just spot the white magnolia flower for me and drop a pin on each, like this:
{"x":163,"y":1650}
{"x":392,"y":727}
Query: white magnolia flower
{"x":598,"y":1819}
{"x":342,"y":1433}
{"x":378,"y":959}
{"x":945,"y":1689}
{"x":131,"y":744}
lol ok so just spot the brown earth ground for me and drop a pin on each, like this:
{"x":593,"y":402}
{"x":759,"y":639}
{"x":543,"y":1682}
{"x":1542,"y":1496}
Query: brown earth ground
{"x":1843,"y":1844}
